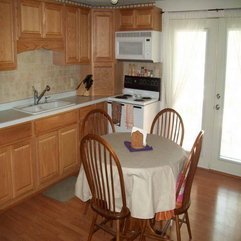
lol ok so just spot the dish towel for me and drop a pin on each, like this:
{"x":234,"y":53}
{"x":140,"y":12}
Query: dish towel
{"x":129,"y":116}
{"x":116,"y":113}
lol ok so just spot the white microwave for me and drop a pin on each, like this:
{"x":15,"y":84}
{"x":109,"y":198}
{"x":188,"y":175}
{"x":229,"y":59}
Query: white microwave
{"x":138,"y":45}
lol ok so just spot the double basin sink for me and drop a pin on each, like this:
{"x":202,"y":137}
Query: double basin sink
{"x":43,"y":107}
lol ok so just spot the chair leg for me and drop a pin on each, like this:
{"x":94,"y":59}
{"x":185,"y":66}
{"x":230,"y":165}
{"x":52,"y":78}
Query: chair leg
{"x":188,"y":225}
{"x":178,"y":231}
{"x":92,"y":226}
{"x":117,"y":230}
{"x":143,"y":229}
{"x":87,"y":204}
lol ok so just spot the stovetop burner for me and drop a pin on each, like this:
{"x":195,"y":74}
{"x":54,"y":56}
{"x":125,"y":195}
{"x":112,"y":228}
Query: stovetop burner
{"x":125,"y":96}
{"x":136,"y":98}
{"x":146,"y":98}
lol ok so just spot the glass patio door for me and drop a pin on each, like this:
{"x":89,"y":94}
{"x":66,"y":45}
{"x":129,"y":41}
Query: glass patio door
{"x":227,"y":129}
{"x":207,"y":57}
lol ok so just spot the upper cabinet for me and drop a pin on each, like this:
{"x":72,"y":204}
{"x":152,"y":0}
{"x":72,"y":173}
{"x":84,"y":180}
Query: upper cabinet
{"x":85,"y":35}
{"x":77,"y":37}
{"x":40,"y":25}
{"x":146,"y":18}
{"x":72,"y":35}
{"x":103,"y":35}
{"x":7,"y":35}
{"x":53,"y":21}
{"x":30,"y":19}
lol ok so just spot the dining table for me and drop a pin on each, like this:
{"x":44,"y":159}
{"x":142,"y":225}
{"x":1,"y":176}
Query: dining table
{"x":150,"y":174}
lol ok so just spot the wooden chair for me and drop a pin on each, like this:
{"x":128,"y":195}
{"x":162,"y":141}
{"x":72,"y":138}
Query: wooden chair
{"x":97,"y":122}
{"x":168,"y":123}
{"x":105,"y":179}
{"x":184,"y":186}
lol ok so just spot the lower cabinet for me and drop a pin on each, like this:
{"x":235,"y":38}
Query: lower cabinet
{"x":68,"y":149}
{"x":16,"y":171}
{"x":85,"y":110}
{"x":34,"y":155}
{"x":57,"y":147}
{"x":5,"y":176}
{"x":22,"y":168}
{"x":16,"y":163}
{"x":47,"y":157}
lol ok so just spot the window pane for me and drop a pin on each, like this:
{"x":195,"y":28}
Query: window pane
{"x":231,"y":127}
{"x":189,"y":70}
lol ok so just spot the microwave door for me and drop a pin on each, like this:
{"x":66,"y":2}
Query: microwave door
{"x":130,"y":49}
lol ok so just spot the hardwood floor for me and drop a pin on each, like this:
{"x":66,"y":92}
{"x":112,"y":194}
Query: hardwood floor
{"x":215,"y":215}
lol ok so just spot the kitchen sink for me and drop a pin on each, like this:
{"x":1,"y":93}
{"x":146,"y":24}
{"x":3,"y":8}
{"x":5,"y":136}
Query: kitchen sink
{"x":43,"y":107}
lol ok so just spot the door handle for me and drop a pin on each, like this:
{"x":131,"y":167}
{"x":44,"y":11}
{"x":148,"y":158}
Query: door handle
{"x":217,"y":107}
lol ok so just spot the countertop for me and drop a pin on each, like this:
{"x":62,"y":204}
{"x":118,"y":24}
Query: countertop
{"x":9,"y":117}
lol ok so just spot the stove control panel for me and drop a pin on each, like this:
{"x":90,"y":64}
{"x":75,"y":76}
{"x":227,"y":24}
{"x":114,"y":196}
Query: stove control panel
{"x":142,"y":83}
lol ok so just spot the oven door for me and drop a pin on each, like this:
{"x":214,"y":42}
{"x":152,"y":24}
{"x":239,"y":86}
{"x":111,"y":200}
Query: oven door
{"x":138,"y":117}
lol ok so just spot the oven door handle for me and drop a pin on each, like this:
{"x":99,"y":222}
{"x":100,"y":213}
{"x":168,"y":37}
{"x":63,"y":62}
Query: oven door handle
{"x":109,"y":102}
{"x":134,"y":106}
{"x":137,"y":107}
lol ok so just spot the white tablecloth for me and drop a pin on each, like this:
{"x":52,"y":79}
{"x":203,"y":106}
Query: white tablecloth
{"x":150,"y":176}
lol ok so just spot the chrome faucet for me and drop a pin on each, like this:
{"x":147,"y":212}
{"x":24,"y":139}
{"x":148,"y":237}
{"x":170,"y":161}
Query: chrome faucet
{"x":37,"y":97}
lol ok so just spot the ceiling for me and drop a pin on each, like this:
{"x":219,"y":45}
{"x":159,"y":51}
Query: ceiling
{"x":101,"y":3}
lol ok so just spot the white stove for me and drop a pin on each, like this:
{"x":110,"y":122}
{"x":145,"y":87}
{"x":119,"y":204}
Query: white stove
{"x":142,"y":94}
{"x":139,"y":91}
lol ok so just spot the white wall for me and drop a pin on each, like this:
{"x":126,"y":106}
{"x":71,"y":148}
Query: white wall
{"x":182,"y":5}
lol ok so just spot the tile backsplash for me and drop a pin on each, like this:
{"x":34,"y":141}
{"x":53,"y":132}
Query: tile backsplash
{"x":35,"y":68}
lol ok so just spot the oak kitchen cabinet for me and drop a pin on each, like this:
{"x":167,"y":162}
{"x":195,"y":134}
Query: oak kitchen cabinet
{"x":34,"y":155}
{"x":40,"y":25}
{"x":145,"y":18}
{"x":7,"y":35}
{"x":103,"y":60}
{"x":103,"y":35}
{"x":57,"y":147}
{"x":16,"y":163}
{"x":84,"y":111}
{"x":77,"y":37}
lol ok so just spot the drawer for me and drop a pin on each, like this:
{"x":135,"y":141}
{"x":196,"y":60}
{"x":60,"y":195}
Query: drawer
{"x":15,"y":133}
{"x":55,"y":122}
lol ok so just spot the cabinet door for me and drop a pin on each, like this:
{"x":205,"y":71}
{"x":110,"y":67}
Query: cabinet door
{"x":72,"y":35}
{"x":31,"y":19}
{"x":104,"y":79}
{"x":53,"y":24}
{"x":84,"y":36}
{"x":146,"y":18}
{"x":7,"y":36}
{"x":101,"y":105}
{"x":103,"y":30}
{"x":47,"y":157}
{"x":22,"y":168}
{"x":5,"y":175}
{"x":82,"y":114}
{"x":126,"y":19}
{"x":68,"y":149}
{"x":143,"y":19}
